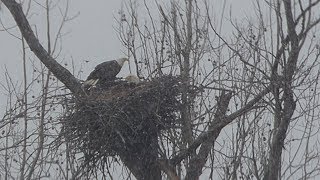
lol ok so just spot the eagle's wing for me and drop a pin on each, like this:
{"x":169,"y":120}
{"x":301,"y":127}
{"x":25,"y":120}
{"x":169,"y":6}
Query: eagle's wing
{"x":106,"y":71}
{"x":98,"y":71}
{"x":103,"y":74}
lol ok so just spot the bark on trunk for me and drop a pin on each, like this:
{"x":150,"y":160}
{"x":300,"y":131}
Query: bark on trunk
{"x":59,"y":71}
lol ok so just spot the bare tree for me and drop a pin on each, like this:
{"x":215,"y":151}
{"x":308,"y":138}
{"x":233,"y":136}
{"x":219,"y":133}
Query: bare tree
{"x":248,"y":100}
{"x":257,"y":70}
{"x":30,"y":126}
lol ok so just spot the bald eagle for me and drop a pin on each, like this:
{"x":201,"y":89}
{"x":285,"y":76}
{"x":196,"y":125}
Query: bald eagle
{"x":104,"y":74}
{"x":132,"y":79}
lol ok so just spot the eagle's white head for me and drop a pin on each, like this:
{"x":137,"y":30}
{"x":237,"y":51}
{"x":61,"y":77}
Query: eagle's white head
{"x":121,"y":61}
{"x":132,"y":79}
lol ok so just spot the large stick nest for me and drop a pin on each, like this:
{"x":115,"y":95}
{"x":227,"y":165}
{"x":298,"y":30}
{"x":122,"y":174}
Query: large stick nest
{"x":124,"y":119}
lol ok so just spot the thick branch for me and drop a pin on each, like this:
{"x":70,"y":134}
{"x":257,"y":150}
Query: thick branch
{"x":221,"y":123}
{"x":197,"y":162}
{"x":282,"y":121}
{"x":59,"y":71}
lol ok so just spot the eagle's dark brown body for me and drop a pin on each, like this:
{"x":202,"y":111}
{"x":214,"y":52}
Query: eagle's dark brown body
{"x":106,"y":71}
{"x":104,"y":74}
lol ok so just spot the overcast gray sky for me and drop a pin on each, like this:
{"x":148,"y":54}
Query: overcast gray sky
{"x":91,"y":36}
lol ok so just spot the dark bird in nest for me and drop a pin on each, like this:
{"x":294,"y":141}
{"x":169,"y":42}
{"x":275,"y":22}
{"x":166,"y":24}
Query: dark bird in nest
{"x":104,"y":74}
